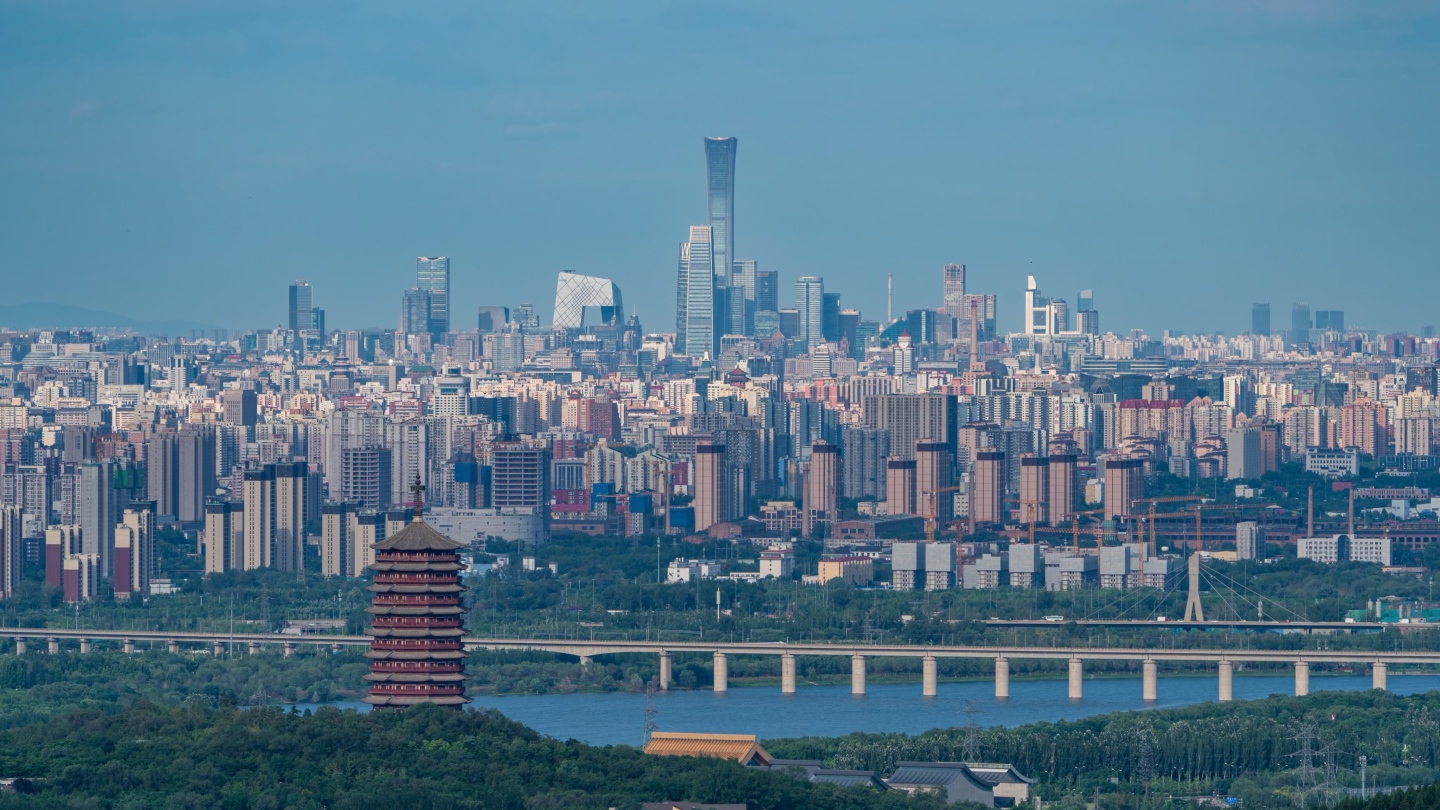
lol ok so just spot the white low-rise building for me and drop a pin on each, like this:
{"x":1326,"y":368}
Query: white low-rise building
{"x":777,"y":563}
{"x":1344,"y":548}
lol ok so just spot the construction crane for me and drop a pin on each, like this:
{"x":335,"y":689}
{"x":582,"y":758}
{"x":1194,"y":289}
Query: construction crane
{"x":1200,"y":510}
{"x":1030,"y":510}
{"x":930,"y":516}
{"x":1152,"y":502}
{"x":1076,"y":530}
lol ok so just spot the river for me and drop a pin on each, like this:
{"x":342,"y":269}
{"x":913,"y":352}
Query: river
{"x":606,"y":718}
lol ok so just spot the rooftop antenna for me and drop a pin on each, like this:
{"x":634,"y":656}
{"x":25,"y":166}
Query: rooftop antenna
{"x":889,"y":298}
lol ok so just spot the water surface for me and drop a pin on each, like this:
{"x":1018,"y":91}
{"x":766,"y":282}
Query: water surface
{"x":606,"y":718}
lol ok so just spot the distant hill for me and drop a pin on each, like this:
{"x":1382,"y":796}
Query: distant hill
{"x":47,"y":315}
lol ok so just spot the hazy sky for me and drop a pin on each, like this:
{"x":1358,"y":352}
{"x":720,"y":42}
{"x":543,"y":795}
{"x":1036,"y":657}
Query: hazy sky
{"x":1183,"y":159}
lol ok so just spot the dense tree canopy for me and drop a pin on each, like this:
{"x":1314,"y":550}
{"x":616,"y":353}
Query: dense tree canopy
{"x":155,"y":756}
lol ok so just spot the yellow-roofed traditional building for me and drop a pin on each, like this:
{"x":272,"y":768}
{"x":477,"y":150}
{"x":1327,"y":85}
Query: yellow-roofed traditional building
{"x":743,"y":748}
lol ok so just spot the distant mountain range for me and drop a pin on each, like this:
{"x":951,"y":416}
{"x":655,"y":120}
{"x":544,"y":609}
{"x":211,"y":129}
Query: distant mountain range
{"x":47,"y":315}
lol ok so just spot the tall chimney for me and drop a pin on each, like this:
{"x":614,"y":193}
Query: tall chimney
{"x":1352,"y":512}
{"x":1310,"y":514}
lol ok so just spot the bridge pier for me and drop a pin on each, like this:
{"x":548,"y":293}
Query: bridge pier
{"x":20,"y":645}
{"x":857,"y":675}
{"x":787,"y":674}
{"x":722,"y":673}
{"x":1077,"y":678}
{"x":335,"y":648}
{"x":217,"y":649}
{"x":253,"y":647}
{"x":1002,"y":678}
{"x":585,"y":661}
{"x":1148,"y":690}
{"x":928,"y":677}
{"x":84,"y":645}
{"x":1377,"y":675}
{"x":664,"y":670}
{"x":172,"y":646}
{"x":1227,"y":675}
{"x":1302,"y":678}
{"x":53,"y":644}
{"x":289,"y":648}
{"x":129,"y":646}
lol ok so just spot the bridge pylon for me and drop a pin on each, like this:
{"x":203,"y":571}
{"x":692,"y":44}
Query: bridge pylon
{"x":1194,"y":612}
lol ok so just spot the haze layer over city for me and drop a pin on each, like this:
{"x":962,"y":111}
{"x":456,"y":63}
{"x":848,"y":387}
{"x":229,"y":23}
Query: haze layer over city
{"x":677,"y":406}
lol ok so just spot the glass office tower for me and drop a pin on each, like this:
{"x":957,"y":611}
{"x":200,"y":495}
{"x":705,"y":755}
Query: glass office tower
{"x":720,"y":188}
{"x":301,"y":307}
{"x":432,"y":276}
{"x":699,"y":264}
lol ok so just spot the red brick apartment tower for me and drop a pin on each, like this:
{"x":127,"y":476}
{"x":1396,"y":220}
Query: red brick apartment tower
{"x":416,"y":654}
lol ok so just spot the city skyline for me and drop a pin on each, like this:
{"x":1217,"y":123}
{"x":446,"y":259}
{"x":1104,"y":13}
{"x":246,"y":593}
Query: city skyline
{"x":1044,"y":158}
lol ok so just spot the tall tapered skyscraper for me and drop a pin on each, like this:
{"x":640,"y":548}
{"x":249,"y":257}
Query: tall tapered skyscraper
{"x":720,"y":202}
{"x":432,"y":276}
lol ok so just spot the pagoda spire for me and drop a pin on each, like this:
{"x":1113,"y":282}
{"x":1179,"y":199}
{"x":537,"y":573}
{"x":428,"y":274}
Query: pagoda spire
{"x":417,"y":489}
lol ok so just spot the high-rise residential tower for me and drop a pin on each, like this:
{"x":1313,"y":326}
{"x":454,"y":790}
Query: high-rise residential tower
{"x":432,"y":276}
{"x":720,"y":202}
{"x":821,"y":503}
{"x":987,"y":487}
{"x":1260,"y":319}
{"x":1034,"y":489}
{"x":932,"y":480}
{"x":1062,"y":487}
{"x":900,"y":486}
{"x":1124,"y":481}
{"x":712,"y":490}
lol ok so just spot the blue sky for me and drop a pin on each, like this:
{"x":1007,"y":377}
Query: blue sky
{"x":1183,"y":159}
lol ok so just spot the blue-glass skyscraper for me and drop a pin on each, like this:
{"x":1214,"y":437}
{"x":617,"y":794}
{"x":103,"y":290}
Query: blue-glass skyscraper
{"x":720,"y":209}
{"x":432,"y":276}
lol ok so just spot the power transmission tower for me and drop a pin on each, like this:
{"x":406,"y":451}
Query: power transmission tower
{"x":1329,"y":788}
{"x":970,"y":741}
{"x":1306,"y":774}
{"x":651,"y":713}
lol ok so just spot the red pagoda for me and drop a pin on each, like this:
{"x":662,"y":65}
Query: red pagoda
{"x":416,"y":652}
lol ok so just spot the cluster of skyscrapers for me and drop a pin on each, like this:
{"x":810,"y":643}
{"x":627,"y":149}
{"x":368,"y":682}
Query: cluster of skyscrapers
{"x":757,"y":420}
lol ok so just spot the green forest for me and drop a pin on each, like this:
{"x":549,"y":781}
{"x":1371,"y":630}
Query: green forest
{"x":159,"y":735}
{"x":1252,"y":750}
{"x":184,"y":757}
